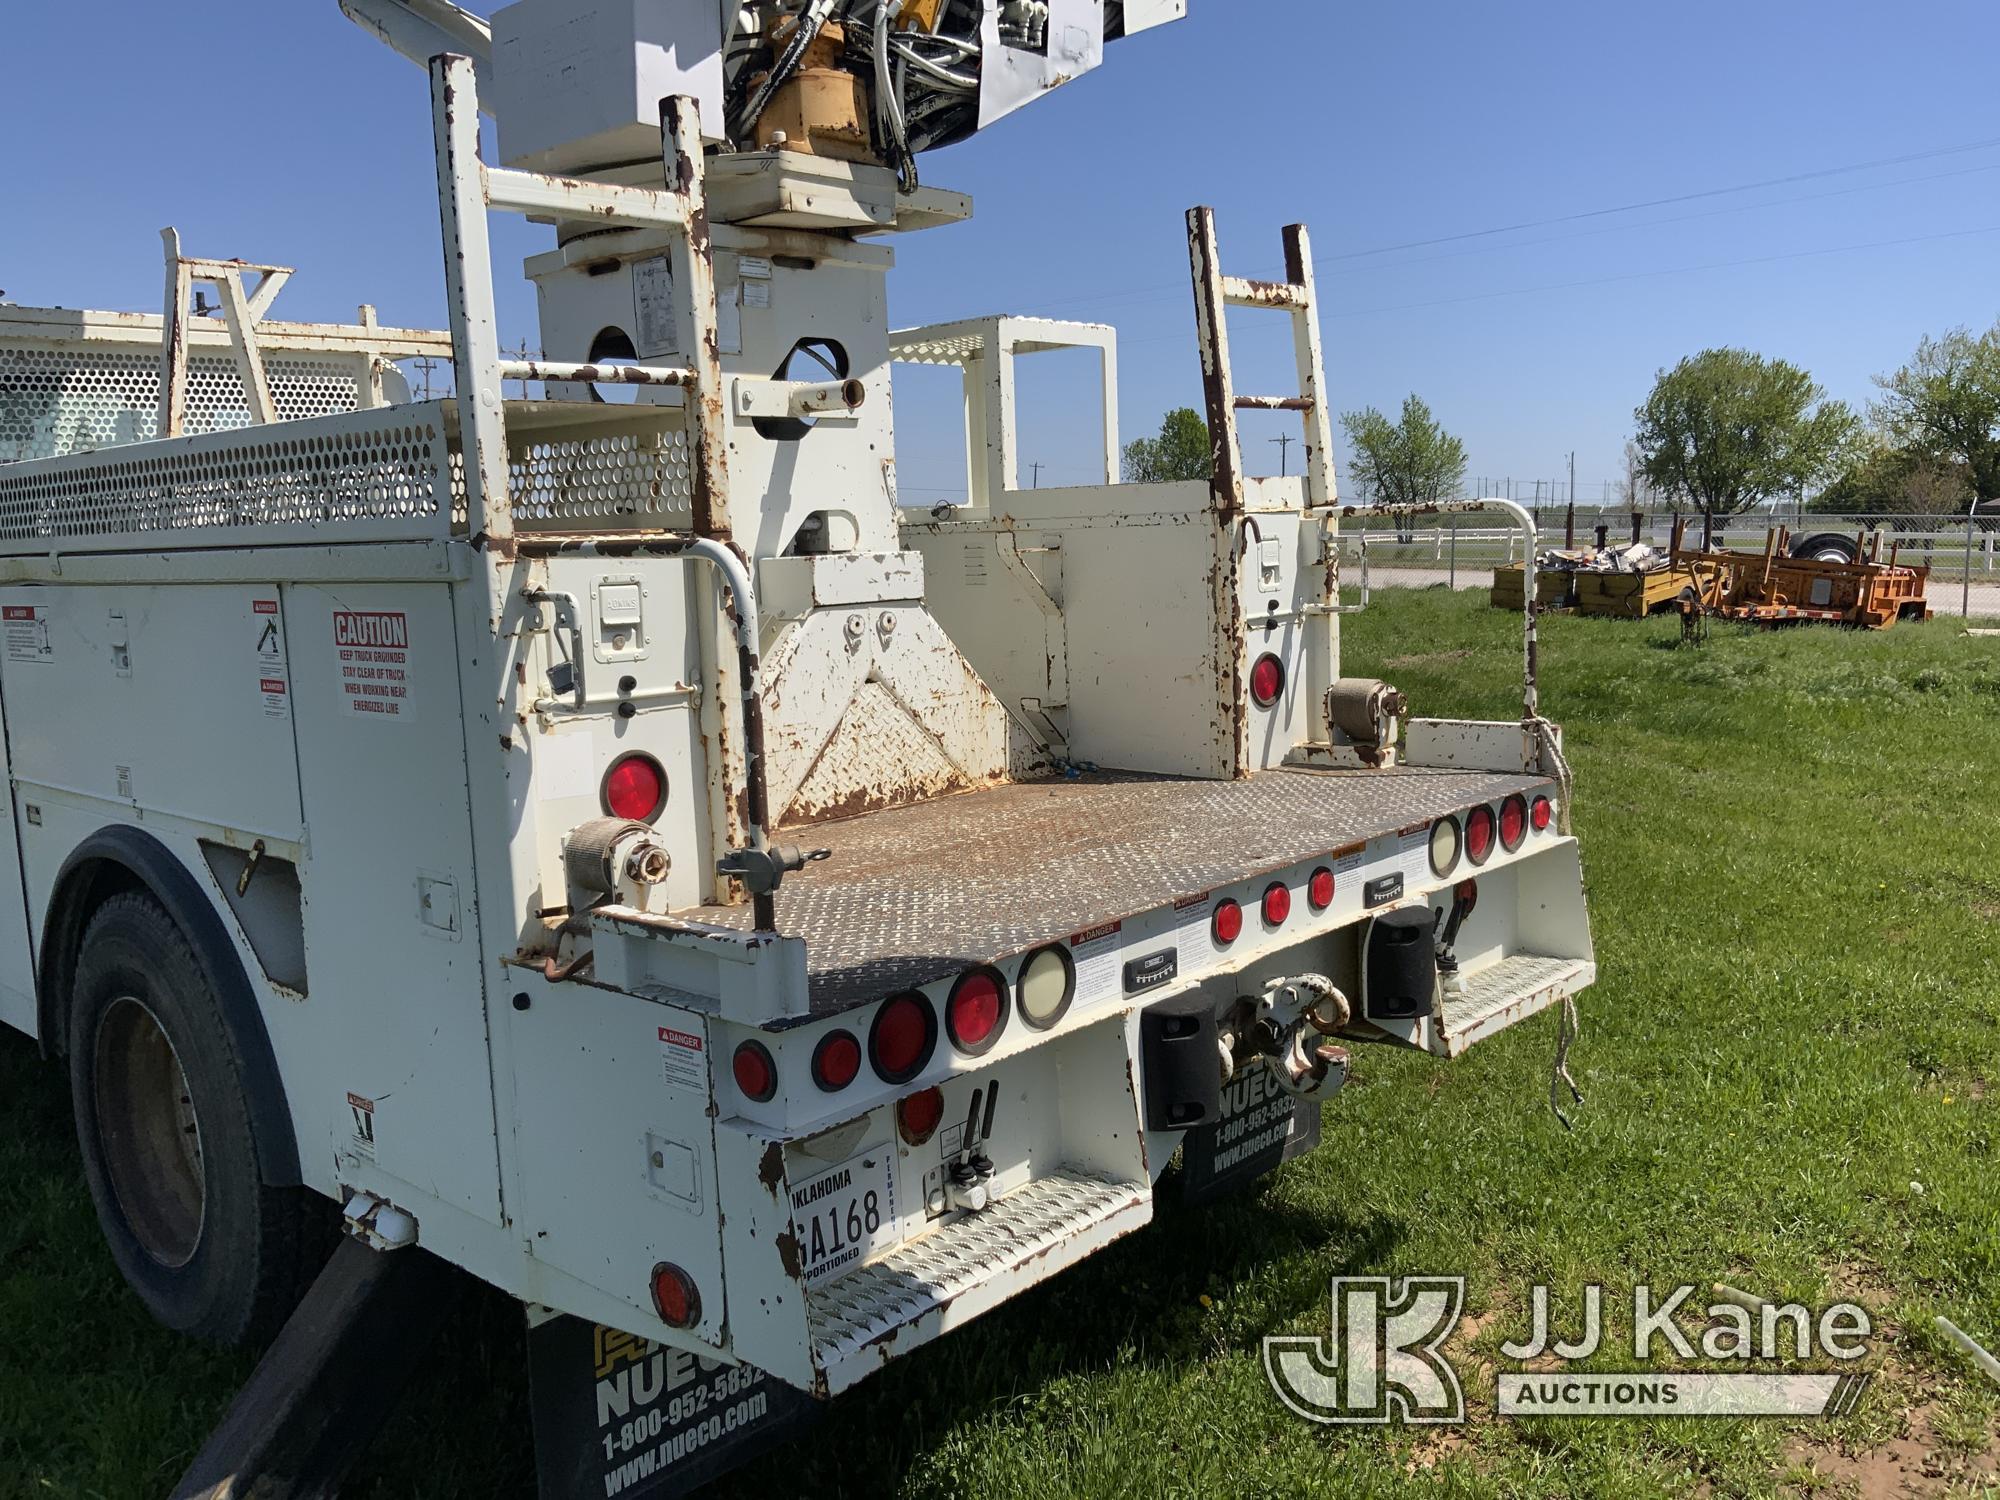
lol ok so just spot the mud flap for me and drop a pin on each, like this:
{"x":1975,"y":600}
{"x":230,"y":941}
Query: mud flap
{"x":1260,"y":1129}
{"x":620,"y":1416}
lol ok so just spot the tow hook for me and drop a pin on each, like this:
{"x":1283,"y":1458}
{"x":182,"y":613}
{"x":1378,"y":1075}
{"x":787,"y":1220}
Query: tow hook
{"x":1294,"y":1017}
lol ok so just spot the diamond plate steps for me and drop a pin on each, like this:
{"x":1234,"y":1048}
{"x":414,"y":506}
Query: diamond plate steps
{"x":1503,"y":993}
{"x":960,"y":1270}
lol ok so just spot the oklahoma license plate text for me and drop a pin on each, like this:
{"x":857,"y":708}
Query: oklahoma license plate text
{"x":842,"y":1216}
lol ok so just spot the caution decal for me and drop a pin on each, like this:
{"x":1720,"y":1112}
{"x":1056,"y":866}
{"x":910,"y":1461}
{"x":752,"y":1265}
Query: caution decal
{"x":374,"y":648}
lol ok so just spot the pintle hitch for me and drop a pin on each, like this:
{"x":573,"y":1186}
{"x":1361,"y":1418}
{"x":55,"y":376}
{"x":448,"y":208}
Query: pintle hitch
{"x":762,"y":871}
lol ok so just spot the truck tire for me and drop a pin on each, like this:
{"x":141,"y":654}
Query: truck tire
{"x":1827,"y":546}
{"x":169,"y":1148}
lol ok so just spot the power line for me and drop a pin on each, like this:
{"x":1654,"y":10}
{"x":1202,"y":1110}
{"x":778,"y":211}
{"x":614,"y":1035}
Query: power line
{"x":1160,"y":291}
{"x":1719,"y":265}
{"x":1626,"y":208}
{"x":1564,"y":286}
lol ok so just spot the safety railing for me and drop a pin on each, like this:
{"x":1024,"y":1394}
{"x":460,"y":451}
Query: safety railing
{"x":1525,"y":526}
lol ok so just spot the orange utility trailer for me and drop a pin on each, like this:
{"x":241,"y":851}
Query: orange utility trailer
{"x":1776,"y":588}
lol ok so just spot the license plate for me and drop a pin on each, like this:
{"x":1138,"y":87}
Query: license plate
{"x":843,"y":1215}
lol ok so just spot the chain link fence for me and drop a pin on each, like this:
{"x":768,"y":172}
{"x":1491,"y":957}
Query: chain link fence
{"x":1962,"y":552}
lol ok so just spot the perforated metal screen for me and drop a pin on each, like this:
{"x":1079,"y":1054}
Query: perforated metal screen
{"x":55,"y":401}
{"x":615,"y":481}
{"x":389,"y":465}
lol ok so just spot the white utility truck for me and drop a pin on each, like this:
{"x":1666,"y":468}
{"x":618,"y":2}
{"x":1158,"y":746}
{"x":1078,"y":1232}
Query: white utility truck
{"x":607,"y":844}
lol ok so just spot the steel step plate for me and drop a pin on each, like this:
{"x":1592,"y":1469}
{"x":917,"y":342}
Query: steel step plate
{"x":1503,"y":993}
{"x":959,"y":1270}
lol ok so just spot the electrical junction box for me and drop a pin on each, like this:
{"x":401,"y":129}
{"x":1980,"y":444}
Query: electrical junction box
{"x":578,"y":83}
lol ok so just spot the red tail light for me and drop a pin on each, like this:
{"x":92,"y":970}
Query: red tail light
{"x":918,"y":1117}
{"x":1468,"y":892}
{"x":675,"y":1297}
{"x":1267,"y":681}
{"x":902,"y":1039}
{"x":635,"y":787}
{"x":1513,"y":822}
{"x":1227,"y":923}
{"x":1544,"y":814}
{"x":1277,"y":904}
{"x":836,"y":1061}
{"x":1479,"y":833}
{"x":1319,"y":889}
{"x":976,"y":1012}
{"x":756,"y":1074}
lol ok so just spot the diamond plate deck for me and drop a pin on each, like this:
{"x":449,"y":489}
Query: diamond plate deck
{"x":915,"y":894}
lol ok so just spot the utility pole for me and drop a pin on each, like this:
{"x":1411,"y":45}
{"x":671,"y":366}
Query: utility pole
{"x":523,"y":353}
{"x":1569,"y":517}
{"x":1284,"y":452}
{"x":427,"y":364}
{"x":1038,"y":474}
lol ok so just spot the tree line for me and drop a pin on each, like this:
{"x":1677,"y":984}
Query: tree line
{"x":1722,"y":432}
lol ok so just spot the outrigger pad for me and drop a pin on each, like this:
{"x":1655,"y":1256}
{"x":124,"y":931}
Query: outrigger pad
{"x":329,"y":1380}
{"x":619,"y":1415}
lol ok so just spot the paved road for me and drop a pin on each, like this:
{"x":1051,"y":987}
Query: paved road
{"x":1945,"y":593}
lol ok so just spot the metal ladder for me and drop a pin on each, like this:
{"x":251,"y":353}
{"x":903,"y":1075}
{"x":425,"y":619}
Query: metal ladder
{"x":468,"y":189}
{"x":1214,"y":294}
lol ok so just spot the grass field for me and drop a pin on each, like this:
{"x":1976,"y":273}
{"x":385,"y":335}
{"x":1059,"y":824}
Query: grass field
{"x":1790,"y":1059}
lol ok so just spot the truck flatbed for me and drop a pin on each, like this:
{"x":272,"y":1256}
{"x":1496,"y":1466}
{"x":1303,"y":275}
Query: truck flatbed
{"x":914,"y":894}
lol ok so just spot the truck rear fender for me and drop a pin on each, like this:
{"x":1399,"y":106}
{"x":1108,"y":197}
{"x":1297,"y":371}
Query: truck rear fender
{"x":116,"y":859}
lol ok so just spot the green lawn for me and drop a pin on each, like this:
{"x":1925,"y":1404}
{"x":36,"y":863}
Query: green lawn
{"x":1790,"y":1060}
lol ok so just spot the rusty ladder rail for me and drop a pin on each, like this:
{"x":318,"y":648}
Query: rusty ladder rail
{"x":468,"y":190}
{"x":1214,"y":294}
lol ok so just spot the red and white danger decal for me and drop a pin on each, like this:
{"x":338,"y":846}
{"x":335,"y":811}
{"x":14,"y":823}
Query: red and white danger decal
{"x":683,"y":1058}
{"x":27,"y":632}
{"x":374,"y":647}
{"x":273,"y":673}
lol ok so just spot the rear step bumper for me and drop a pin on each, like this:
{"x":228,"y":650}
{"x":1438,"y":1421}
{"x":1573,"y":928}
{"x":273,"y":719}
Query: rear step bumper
{"x":962,"y":1269}
{"x":1501,"y":994}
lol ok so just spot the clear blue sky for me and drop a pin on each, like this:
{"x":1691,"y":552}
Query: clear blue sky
{"x":278,"y":131}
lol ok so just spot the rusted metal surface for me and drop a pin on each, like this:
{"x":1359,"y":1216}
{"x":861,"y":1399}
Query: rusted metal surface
{"x":1321,"y":488}
{"x":918,"y":893}
{"x":1231,"y":661}
{"x":540,"y":369}
{"x":1277,"y":296}
{"x":475,"y":333}
{"x":1212,"y":339}
{"x":874,"y":708}
{"x":708,"y":433}
{"x":1275,"y":403}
